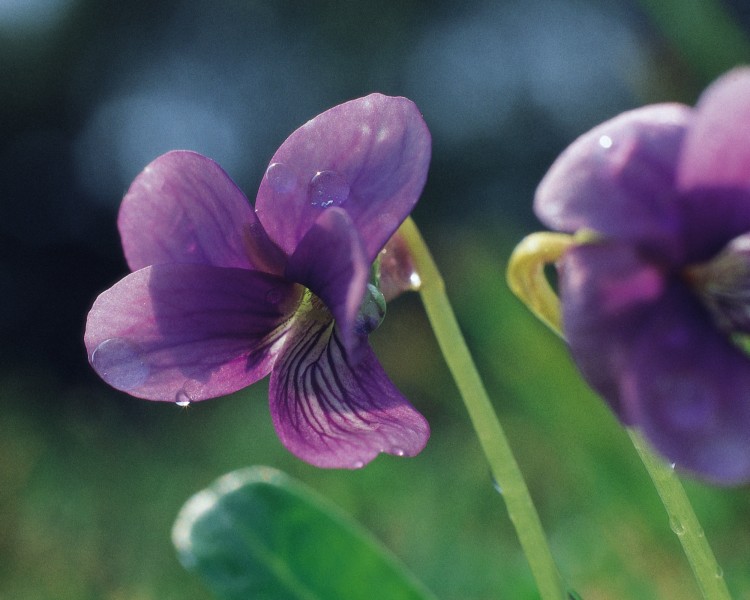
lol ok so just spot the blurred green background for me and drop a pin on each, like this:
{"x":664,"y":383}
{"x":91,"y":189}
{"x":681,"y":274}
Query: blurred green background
{"x":91,"y":91}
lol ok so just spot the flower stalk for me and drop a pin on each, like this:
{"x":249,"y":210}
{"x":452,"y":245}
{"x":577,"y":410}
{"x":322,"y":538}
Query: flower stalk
{"x":491,"y":436}
{"x":527,"y":280}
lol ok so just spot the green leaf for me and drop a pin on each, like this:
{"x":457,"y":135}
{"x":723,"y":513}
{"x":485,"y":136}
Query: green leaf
{"x":257,"y":534}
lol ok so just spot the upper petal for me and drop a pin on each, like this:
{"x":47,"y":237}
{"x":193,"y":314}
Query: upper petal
{"x":716,"y":152}
{"x":330,"y":260}
{"x":618,"y":179}
{"x":369,"y":156}
{"x":180,"y":331}
{"x":183,"y":208}
{"x":332,"y":413}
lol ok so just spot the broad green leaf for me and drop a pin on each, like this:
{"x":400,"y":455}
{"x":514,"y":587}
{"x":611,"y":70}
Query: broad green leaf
{"x":256,"y":534}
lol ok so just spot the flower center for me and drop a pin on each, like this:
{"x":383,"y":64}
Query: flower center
{"x":723,"y":285}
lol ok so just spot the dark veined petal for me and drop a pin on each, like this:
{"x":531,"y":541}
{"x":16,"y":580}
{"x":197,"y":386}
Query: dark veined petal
{"x":333,"y":414}
{"x":605,"y":290}
{"x":687,"y":386}
{"x":180,"y":332}
{"x":183,"y":208}
{"x":331,"y":262}
{"x":716,"y":151}
{"x":369,"y":156}
{"x":618,"y":180}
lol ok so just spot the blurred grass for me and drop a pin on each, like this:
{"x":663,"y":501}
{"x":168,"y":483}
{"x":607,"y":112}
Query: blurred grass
{"x":92,"y":480}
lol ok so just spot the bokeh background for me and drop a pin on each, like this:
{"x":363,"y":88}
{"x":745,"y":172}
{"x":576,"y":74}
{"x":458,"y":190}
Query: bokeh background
{"x":93,"y":90}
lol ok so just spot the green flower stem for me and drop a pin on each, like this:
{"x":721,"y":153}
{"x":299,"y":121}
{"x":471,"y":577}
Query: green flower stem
{"x":527,"y":280}
{"x":684,"y":523}
{"x":491,"y":436}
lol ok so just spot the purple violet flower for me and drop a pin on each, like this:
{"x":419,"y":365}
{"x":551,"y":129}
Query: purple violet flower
{"x":221,"y":296}
{"x":656,"y":308}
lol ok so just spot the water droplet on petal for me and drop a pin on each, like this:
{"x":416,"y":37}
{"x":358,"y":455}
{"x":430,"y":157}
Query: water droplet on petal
{"x":182,"y":398}
{"x":397,"y":451}
{"x":119,"y":363}
{"x":358,"y":464}
{"x":605,"y":141}
{"x":328,"y":188}
{"x":281,"y":178}
{"x":371,"y":312}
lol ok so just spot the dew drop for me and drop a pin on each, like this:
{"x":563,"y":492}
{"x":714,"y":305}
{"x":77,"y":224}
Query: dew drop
{"x":328,"y":188}
{"x":120,"y":364}
{"x":358,"y":464}
{"x":182,"y":398}
{"x":371,"y":312}
{"x":281,"y":178}
{"x":677,"y":526}
{"x":397,"y":451}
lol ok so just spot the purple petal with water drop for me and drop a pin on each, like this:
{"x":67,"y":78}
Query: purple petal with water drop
{"x":331,"y":262}
{"x":192,"y":331}
{"x":618,"y":179}
{"x":333,"y":414}
{"x":368,"y":156}
{"x":183,"y":208}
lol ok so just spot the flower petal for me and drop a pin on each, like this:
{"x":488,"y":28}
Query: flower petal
{"x":716,"y":152}
{"x":398,"y":273}
{"x":651,"y":350}
{"x":331,"y":262}
{"x":333,"y":414}
{"x":179,"y":332}
{"x":712,"y":217}
{"x":369,"y":156}
{"x":618,"y":179}
{"x":605,"y":290}
{"x":687,"y":386}
{"x":183,"y":208}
